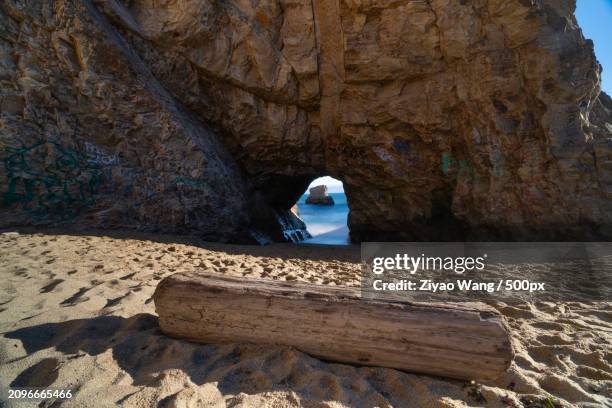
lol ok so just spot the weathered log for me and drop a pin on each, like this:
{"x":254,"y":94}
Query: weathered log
{"x":465,"y":341}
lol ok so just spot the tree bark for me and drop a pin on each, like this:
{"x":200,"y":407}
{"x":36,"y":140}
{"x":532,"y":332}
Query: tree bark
{"x":464,"y":341}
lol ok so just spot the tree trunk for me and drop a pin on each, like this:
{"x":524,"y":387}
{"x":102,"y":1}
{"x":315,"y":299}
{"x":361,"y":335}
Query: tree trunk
{"x":465,"y":341}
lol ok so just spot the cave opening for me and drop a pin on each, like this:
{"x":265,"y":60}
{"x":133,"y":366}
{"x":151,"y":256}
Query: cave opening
{"x":324,"y":209}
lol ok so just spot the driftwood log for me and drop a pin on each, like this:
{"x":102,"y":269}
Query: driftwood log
{"x":465,"y":341}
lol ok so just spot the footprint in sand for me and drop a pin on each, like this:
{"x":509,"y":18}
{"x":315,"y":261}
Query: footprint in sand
{"x":114,"y":302}
{"x":548,"y":326}
{"x":126,"y":277}
{"x":593,"y":373}
{"x":565,"y":388}
{"x":51,"y":285}
{"x":41,"y":374}
{"x":76,"y":298}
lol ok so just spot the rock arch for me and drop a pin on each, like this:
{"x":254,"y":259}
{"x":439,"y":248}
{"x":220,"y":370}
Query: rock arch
{"x":478,"y":119}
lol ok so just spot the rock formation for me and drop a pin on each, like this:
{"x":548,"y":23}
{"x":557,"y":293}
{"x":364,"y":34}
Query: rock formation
{"x":295,"y":209}
{"x":318,"y":196}
{"x":470,"y":119}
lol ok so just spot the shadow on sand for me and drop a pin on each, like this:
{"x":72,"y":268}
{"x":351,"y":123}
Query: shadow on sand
{"x":143,"y":351}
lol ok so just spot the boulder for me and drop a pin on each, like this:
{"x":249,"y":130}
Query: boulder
{"x":445,"y":120}
{"x":318,"y":196}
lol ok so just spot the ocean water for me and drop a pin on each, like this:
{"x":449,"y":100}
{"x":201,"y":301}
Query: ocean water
{"x":326,"y":224}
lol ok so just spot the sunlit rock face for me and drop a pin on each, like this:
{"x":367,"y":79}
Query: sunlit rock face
{"x":445,"y":119}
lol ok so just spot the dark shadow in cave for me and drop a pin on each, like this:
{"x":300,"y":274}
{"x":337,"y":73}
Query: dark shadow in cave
{"x":271,"y":200}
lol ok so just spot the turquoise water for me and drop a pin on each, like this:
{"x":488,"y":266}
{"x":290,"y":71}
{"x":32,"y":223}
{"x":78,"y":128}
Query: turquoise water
{"x":326,"y":224}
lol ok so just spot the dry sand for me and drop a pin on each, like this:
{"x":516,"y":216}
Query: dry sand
{"x":76,"y":312}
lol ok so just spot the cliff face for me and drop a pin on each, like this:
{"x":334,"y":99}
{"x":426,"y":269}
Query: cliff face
{"x":444,"y":119}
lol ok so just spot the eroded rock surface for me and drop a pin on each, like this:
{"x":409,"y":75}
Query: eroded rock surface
{"x":471,"y":119}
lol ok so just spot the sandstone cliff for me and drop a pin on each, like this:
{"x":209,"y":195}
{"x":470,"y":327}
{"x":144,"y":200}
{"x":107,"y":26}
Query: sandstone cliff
{"x":444,"y":119}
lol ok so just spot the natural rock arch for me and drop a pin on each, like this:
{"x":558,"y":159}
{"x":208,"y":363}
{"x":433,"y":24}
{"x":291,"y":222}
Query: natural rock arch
{"x":477,"y":119}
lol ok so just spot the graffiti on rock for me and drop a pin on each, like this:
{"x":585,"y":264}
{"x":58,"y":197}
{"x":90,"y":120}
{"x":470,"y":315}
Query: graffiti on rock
{"x":454,"y":167}
{"x":48,"y":180}
{"x":97,"y":156}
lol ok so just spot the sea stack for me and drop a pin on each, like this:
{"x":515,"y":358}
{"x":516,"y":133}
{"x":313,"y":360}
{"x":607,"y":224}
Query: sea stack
{"x":318,"y":196}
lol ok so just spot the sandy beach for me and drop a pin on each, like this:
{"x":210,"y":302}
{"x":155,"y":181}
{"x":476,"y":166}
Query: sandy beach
{"x":305,"y":126}
{"x":76,"y":313}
